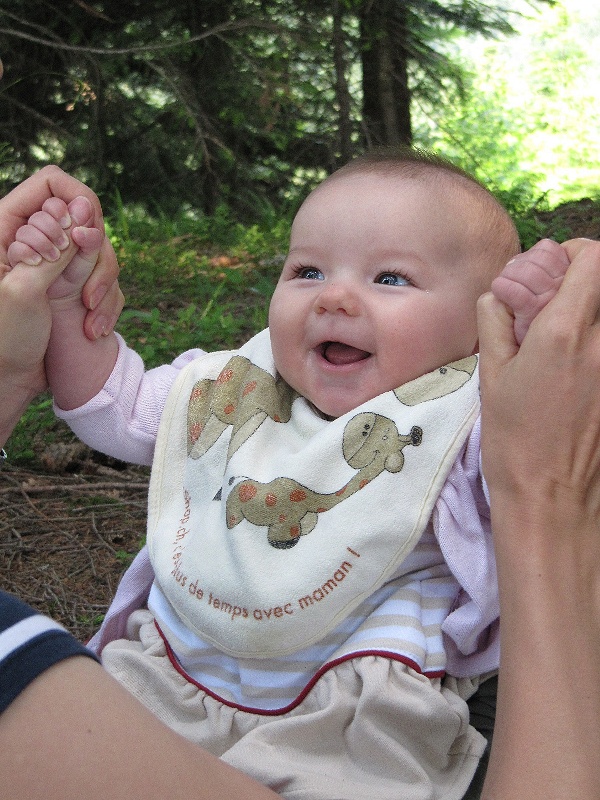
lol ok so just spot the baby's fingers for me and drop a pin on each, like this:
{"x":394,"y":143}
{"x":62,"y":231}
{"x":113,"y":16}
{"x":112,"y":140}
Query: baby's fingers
{"x":19,"y":253}
{"x":549,"y":256}
{"x":513,"y":293}
{"x":44,"y":235}
{"x":59,"y":210}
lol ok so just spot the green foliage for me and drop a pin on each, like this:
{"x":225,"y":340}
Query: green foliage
{"x":189,"y":105}
{"x":195,"y":282}
{"x":38,"y":420}
{"x":528,"y":124}
{"x":172,"y":104}
{"x":92,"y":621}
{"x":559,"y":74}
{"x":482,"y":136}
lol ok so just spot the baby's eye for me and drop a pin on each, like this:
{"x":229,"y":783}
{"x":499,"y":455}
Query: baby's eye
{"x":392,"y":279}
{"x":309,"y":273}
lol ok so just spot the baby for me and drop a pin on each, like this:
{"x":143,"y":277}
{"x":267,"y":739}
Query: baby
{"x":318,"y":533}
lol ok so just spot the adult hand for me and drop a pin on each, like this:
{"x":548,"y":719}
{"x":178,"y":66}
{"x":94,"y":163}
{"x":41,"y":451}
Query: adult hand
{"x":544,"y":398}
{"x":101,"y":294}
{"x":24,"y":310}
{"x":541,"y":459}
{"x":61,"y":233}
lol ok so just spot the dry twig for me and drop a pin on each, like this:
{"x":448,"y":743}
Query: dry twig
{"x":66,"y":539}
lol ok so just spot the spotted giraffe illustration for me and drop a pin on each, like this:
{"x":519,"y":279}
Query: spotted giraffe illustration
{"x":437,"y":383}
{"x":242,"y":396}
{"x":371,"y":444}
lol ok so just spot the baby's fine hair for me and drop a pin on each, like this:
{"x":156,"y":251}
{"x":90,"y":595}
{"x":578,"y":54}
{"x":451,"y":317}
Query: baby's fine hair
{"x":498,"y":239}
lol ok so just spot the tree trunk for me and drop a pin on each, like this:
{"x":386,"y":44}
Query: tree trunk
{"x":342,"y":92}
{"x":384,"y":33}
{"x":201,"y":94}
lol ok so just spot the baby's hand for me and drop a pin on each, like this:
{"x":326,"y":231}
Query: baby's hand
{"x":529,"y":281}
{"x":60,"y":233}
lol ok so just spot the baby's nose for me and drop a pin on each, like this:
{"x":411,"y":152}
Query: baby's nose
{"x":338,"y":297}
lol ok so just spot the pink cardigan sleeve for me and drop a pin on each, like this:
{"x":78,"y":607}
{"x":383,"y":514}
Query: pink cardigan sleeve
{"x":122,"y":419}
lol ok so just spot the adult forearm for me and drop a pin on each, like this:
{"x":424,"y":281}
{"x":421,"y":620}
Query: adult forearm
{"x":74,"y":732}
{"x":541,"y":460}
{"x":547,"y":736}
{"x":13,"y":402}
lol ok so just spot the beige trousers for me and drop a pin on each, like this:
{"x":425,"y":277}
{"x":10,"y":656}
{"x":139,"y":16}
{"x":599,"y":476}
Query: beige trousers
{"x":370,"y":729}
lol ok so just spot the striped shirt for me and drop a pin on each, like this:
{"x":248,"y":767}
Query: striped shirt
{"x":402,"y":621}
{"x":29,"y":644}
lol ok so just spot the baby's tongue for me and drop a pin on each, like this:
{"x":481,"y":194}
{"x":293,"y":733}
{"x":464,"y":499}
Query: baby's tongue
{"x":339,"y":353}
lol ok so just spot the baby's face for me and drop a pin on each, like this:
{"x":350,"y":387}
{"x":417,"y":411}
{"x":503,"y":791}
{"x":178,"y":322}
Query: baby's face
{"x":376,"y":290}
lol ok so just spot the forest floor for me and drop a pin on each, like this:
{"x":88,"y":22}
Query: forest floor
{"x":73,"y":521}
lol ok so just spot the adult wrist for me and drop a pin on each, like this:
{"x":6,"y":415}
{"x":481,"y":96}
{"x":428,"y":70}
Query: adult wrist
{"x":14,"y":399}
{"x":544,"y":549}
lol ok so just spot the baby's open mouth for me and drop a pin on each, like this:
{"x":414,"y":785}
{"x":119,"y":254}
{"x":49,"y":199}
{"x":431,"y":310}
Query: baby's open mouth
{"x":340,"y":354}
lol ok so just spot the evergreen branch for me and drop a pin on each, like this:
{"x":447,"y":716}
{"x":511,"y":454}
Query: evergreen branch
{"x":148,"y":48}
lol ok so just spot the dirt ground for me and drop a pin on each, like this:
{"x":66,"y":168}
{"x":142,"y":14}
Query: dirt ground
{"x":66,"y":536}
{"x":69,"y":529}
{"x":571,"y":220}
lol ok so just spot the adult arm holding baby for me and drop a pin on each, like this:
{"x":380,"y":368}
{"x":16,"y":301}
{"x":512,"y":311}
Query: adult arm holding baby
{"x":541,"y":459}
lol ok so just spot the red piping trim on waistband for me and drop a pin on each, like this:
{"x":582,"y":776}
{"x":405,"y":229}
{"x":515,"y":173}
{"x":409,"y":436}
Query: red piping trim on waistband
{"x":320,"y":672}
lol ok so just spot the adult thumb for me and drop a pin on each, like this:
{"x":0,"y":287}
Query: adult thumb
{"x":497,"y":343}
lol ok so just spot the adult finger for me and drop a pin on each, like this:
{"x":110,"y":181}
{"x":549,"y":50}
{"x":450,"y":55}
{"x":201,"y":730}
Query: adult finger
{"x":579,"y":296}
{"x":105,"y":274}
{"x":102,"y":320}
{"x":497,"y":343}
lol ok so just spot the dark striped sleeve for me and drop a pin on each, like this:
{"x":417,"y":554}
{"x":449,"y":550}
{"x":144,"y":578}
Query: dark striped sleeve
{"x":29,"y":644}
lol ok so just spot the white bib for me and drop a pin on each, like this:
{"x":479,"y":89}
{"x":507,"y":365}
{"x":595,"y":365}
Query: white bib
{"x":268,"y":524}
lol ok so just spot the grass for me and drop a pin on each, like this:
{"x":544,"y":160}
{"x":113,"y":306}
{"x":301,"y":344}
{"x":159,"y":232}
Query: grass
{"x":194,"y":283}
